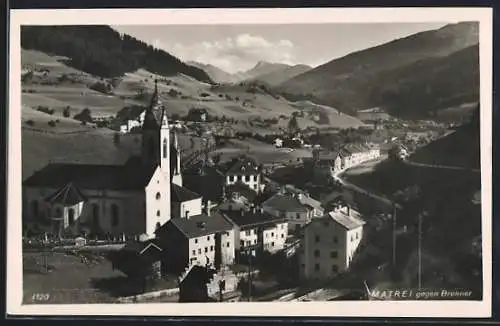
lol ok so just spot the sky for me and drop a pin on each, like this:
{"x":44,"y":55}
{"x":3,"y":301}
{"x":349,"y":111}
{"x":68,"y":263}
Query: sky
{"x":236,"y":48}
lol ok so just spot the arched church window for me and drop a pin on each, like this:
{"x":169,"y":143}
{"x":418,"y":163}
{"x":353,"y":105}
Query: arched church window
{"x":164,"y":148}
{"x":158,"y":195}
{"x":95,"y":214}
{"x":115,"y":218}
{"x":71,"y":216}
{"x":34,"y":208}
{"x":158,"y":213}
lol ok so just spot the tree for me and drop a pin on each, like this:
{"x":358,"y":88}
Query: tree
{"x":66,"y":112}
{"x":85,"y":115}
{"x":116,"y":139}
{"x":293,"y":125}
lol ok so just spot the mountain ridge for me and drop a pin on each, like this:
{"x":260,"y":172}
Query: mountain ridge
{"x":343,"y":82}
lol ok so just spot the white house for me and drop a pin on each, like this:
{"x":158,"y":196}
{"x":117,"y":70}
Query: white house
{"x":329,"y":243}
{"x":297,"y":208}
{"x":206,"y":240}
{"x":278,"y":142}
{"x":255,"y":230}
{"x":246,"y":171}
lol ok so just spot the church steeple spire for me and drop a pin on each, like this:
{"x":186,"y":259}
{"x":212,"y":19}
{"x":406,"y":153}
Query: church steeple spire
{"x":177,"y":175}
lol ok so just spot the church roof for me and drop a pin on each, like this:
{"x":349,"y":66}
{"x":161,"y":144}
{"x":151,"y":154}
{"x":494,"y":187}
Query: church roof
{"x":92,"y":176}
{"x":181,"y":194}
{"x":68,"y":195}
{"x":154,"y":114}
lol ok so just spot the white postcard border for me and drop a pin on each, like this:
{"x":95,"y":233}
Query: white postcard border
{"x":457,"y":309}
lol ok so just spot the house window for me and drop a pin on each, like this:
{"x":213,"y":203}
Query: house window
{"x":239,"y":178}
{"x":316,"y":239}
{"x":71,"y":216}
{"x":335,"y":269}
{"x":333,"y":254}
{"x":247,"y":232}
{"x":357,"y":235}
{"x":352,"y":238}
{"x":227,"y":245}
{"x":206,"y":249}
{"x":242,"y":243}
{"x":208,"y":238}
{"x":247,"y":178}
{"x":272,"y":234}
{"x":194,"y":252}
{"x":316,"y":253}
{"x":211,"y":248}
{"x":255,"y":187}
{"x":316,"y":267}
{"x":282,"y":235}
{"x":95,"y":215}
{"x":298,"y":216}
{"x":248,"y":243}
{"x":115,"y":218}
{"x":158,"y":195}
{"x":254,"y":178}
{"x":199,"y":251}
{"x":272,"y":244}
{"x":335,"y":240}
{"x":195,"y":240}
{"x":158,"y":213}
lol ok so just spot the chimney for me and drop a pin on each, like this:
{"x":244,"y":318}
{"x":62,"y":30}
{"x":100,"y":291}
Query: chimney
{"x":187,"y":215}
{"x":208,"y":204}
{"x":348,"y":210}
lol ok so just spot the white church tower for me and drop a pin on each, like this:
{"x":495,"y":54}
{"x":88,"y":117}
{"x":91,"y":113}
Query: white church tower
{"x":177,"y":173}
{"x":156,"y":155}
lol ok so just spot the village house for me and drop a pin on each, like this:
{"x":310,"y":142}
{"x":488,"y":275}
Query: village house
{"x":256,"y":231}
{"x":205,"y":240}
{"x":132,"y":199}
{"x":246,"y":171}
{"x":329,"y":243}
{"x":197,"y":114}
{"x":297,"y":208}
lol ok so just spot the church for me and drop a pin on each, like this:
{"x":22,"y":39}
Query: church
{"x":133,"y":199}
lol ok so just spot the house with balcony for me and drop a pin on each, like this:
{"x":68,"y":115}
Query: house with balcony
{"x":256,"y":231}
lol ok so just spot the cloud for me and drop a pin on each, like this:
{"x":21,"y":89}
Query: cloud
{"x":233,"y":54}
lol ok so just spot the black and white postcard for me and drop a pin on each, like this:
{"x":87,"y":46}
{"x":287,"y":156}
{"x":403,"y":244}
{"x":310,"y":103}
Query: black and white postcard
{"x":257,"y":162}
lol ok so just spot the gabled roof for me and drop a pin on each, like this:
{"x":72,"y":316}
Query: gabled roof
{"x":199,"y":225}
{"x":243,"y":166}
{"x":285,"y":203}
{"x":141,"y":248}
{"x":92,"y":176}
{"x":181,"y":194}
{"x":347,"y":221}
{"x":68,"y":195}
{"x":249,"y":219}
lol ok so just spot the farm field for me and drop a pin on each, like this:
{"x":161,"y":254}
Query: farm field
{"x":179,"y":93}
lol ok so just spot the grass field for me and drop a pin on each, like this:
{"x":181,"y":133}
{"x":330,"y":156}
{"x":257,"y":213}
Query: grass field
{"x":232,"y":101}
{"x":263,"y":153}
{"x":71,"y":281}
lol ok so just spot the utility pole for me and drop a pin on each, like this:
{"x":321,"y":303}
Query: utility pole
{"x":394,"y":234}
{"x":420,"y":251}
{"x":250,"y":275}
